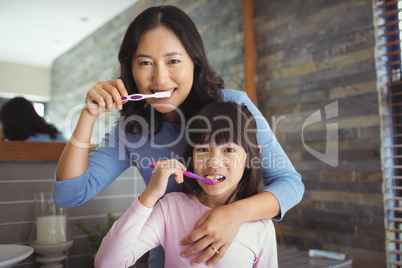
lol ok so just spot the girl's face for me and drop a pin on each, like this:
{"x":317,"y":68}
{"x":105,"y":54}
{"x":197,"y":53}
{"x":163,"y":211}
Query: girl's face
{"x":161,"y":63}
{"x":225,"y":162}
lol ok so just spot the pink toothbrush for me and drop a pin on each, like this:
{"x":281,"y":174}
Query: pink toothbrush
{"x":138,"y":97}
{"x":208,"y":179}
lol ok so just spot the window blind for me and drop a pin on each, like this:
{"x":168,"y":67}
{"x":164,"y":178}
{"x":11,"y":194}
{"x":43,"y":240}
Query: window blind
{"x":388,"y":25}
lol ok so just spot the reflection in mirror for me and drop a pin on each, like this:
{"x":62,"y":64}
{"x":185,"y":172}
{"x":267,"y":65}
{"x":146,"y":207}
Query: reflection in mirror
{"x":20,"y":121}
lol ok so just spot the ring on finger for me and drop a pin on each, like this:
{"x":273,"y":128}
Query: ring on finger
{"x":215,"y":250}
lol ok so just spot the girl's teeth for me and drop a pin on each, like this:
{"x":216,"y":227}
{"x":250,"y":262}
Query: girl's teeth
{"x":218,"y":178}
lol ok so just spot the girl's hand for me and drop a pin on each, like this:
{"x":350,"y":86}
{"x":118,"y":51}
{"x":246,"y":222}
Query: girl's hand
{"x":159,"y":180}
{"x":217,"y":228}
{"x":108,"y":96}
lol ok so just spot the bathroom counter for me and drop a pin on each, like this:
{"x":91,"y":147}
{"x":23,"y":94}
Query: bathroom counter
{"x":291,"y":257}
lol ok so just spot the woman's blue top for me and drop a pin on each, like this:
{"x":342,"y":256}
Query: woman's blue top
{"x":119,"y":151}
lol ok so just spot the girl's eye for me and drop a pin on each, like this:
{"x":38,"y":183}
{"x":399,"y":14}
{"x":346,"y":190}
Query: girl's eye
{"x":230,"y":150}
{"x":202,"y":149}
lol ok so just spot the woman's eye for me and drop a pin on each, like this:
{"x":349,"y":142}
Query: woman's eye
{"x":145,"y":63}
{"x":174,"y":61}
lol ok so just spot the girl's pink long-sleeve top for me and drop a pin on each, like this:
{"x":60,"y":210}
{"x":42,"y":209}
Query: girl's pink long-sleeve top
{"x":140,"y":229}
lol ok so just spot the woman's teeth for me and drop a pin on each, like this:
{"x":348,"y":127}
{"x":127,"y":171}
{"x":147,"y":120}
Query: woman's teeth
{"x":171,"y":91}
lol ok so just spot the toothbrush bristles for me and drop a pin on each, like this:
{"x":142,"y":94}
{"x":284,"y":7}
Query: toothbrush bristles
{"x":210,"y":180}
{"x":164,"y":94}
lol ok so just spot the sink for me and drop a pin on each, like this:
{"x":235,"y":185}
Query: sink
{"x":13,"y":254}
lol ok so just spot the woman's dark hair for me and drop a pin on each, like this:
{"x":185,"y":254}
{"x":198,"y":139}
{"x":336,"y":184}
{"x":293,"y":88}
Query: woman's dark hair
{"x":206,"y":83}
{"x":20,"y":120}
{"x":226,"y":122}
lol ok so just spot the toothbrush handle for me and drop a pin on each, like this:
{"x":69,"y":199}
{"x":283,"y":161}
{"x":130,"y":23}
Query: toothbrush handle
{"x":192,"y":175}
{"x":138,"y":97}
{"x":185,"y":172}
{"x":133,"y":97}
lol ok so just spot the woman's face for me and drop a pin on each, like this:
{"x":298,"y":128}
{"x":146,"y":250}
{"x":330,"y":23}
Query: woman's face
{"x":161,"y":63}
{"x":225,"y":162}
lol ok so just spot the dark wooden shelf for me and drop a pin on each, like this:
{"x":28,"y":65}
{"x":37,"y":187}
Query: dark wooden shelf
{"x":30,"y":151}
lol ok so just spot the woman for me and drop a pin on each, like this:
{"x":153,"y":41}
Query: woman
{"x":163,"y":51}
{"x":21,"y":122}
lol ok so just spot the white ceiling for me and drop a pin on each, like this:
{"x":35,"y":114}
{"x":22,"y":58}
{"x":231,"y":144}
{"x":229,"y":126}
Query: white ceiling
{"x":35,"y":32}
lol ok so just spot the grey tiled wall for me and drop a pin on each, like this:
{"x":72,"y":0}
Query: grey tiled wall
{"x":20,"y":180}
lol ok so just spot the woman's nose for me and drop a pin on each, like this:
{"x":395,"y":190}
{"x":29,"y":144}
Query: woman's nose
{"x":161,"y":75}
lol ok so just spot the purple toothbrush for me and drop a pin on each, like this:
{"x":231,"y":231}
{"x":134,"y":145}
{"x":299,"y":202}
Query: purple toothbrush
{"x":138,"y":97}
{"x":208,"y":179}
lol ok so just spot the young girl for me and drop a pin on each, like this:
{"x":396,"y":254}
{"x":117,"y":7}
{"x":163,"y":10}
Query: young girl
{"x":227,"y":151}
{"x":163,"y":51}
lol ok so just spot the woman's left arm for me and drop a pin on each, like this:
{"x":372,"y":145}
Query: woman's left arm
{"x":283,"y":190}
{"x":280,"y":177}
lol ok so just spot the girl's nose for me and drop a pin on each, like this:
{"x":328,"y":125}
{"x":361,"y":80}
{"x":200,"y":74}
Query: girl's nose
{"x":215,"y":162}
{"x":161,"y":75}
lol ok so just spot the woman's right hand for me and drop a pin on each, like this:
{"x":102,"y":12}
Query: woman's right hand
{"x":74,"y":160}
{"x":108,"y":96}
{"x":156,"y":187}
